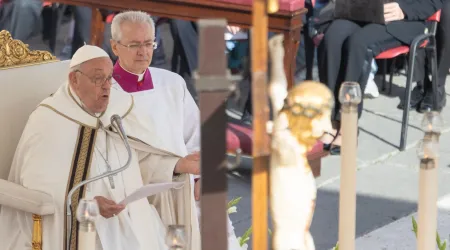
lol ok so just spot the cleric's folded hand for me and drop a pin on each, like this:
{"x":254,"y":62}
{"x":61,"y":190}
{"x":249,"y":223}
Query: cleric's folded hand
{"x":189,"y":164}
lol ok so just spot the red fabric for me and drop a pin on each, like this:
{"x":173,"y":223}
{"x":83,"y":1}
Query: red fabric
{"x":110,"y":17}
{"x":45,"y":4}
{"x":232,"y":142}
{"x":391,"y":53}
{"x":436,"y":17}
{"x":244,"y":136}
{"x":286,"y":5}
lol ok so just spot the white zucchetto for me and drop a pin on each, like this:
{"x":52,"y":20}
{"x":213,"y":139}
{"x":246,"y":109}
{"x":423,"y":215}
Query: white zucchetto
{"x":86,"y":53}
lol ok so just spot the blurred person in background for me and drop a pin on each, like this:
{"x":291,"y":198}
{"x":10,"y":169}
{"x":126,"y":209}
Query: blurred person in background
{"x":22,"y":18}
{"x":422,"y":94}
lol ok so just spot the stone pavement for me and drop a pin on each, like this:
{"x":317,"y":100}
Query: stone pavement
{"x":387,"y":180}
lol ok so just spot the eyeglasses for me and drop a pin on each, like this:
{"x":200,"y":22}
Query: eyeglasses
{"x":136,"y":46}
{"x":98,"y":81}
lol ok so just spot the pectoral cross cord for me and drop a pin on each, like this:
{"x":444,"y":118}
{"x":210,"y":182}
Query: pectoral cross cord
{"x":108,"y":165}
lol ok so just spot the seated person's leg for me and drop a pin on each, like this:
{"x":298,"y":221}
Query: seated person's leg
{"x":371,"y":86}
{"x":159,"y":57}
{"x":82,"y":30}
{"x":186,"y":50}
{"x":443,"y":54}
{"x":421,"y":69}
{"x":373,"y":37}
{"x":21,"y":18}
{"x":329,"y":59}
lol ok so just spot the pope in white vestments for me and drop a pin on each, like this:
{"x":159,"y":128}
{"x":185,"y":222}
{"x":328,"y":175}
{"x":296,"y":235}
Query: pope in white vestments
{"x":69,"y":138}
{"x":160,"y":95}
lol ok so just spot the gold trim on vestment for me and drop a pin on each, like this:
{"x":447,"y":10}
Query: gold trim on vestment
{"x":65,"y":116}
{"x":14,"y":53}
{"x":36,"y":242}
{"x":79,"y":172}
{"x":126,"y":113}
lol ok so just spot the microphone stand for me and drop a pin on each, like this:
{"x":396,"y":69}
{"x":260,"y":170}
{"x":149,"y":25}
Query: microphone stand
{"x":114,"y":119}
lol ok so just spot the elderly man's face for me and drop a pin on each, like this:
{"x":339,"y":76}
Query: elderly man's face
{"x":135,"y":49}
{"x":92,"y":83}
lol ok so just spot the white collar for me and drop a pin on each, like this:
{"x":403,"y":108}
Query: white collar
{"x":140,"y":76}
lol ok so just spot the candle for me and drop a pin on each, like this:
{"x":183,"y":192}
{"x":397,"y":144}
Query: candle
{"x":349,"y":97}
{"x":175,"y":237}
{"x":86,"y":239}
{"x":428,"y":152}
{"x":87,"y":213}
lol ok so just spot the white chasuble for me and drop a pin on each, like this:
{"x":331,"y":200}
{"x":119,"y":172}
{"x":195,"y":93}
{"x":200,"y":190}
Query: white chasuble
{"x":62,"y":145}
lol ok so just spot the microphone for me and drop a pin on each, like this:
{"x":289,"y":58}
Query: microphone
{"x":116,"y":122}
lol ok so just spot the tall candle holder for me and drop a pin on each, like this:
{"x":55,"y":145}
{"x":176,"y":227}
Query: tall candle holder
{"x":349,"y":97}
{"x":87,"y":213}
{"x":176,"y":237}
{"x":428,"y":153}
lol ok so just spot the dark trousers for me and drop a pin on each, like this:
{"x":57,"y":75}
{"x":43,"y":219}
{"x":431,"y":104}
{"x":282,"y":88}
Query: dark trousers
{"x":82,"y":30}
{"x":22,"y":18}
{"x":185,"y":51}
{"x":346,"y":52}
{"x":422,"y":67}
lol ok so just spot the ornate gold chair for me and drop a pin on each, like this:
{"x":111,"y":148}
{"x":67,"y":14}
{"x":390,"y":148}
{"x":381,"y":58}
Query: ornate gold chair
{"x":26,"y":78}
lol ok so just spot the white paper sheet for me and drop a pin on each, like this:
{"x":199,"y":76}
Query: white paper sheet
{"x":149,"y":190}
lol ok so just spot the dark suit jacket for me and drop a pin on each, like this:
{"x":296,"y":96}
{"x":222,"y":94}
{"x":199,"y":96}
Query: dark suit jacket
{"x":416,"y":11}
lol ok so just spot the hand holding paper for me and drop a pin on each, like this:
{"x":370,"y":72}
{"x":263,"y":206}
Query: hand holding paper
{"x":150,"y":190}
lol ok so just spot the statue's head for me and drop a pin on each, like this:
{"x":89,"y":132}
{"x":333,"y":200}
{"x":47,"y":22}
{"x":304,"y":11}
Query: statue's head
{"x":308,"y":108}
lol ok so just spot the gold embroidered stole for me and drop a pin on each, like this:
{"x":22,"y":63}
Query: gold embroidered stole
{"x":79,"y":172}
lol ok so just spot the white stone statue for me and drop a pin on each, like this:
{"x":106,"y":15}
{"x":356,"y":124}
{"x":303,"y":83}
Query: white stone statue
{"x":301,"y":116}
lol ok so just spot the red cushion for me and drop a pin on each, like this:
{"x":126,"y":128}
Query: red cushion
{"x":286,"y":5}
{"x":436,"y":17}
{"x":317,"y":149}
{"x":391,"y":53}
{"x":245,"y":135}
{"x":232,"y":142}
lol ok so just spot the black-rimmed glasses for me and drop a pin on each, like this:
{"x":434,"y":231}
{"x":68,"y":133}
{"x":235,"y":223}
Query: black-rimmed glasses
{"x":98,"y":81}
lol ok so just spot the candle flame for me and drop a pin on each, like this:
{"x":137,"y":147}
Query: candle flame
{"x":347,"y":97}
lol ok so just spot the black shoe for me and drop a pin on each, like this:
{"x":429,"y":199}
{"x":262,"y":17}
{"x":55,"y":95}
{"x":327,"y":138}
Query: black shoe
{"x":336,"y":149}
{"x":417,"y":95}
{"x":427,"y":103}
